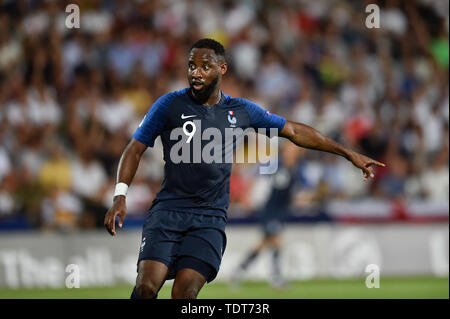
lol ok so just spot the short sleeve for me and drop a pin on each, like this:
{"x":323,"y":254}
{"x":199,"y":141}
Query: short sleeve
{"x":260,"y":118}
{"x":153,"y":122}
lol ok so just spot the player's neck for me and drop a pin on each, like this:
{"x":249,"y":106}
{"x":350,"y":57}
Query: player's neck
{"x":214,"y":98}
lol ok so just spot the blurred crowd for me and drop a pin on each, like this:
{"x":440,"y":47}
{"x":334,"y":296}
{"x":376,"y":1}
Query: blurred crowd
{"x":70,"y":99}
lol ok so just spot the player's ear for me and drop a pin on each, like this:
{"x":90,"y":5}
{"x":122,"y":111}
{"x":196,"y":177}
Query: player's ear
{"x":223,"y":68}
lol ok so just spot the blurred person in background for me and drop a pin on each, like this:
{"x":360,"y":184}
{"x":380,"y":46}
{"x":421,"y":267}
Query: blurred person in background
{"x":8,"y":204}
{"x":273,"y":213}
{"x":60,"y":209}
{"x":85,"y":167}
{"x":435,"y":177}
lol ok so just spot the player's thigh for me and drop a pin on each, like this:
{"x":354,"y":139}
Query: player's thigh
{"x":161,"y":238}
{"x":274,"y":240}
{"x":151,"y":275}
{"x":157,"y":252}
{"x":188,"y":283}
{"x":207,"y":245}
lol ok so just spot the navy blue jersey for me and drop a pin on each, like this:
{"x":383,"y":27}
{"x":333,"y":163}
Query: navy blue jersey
{"x":194,"y":185}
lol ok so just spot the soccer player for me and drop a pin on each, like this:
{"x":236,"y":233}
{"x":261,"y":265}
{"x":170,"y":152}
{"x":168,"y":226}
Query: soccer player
{"x":273,"y":214}
{"x":183,"y":237}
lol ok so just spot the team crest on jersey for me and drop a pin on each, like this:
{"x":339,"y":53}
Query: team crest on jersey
{"x":232,"y":119}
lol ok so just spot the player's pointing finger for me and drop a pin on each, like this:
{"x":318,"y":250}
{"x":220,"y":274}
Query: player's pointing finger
{"x":379,"y":164}
{"x":374,"y":162}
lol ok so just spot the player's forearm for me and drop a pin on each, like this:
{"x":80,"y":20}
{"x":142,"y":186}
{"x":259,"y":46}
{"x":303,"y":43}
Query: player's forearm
{"x":129,"y":162}
{"x":308,"y":137}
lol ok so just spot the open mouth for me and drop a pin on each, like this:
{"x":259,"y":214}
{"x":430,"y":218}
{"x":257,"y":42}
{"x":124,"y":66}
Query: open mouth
{"x":197,"y":85}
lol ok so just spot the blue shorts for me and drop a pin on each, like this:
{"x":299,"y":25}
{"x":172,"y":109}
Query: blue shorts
{"x":168,"y":236}
{"x":272,"y":227}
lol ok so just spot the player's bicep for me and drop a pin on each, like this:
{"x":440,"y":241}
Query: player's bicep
{"x":137,"y":146}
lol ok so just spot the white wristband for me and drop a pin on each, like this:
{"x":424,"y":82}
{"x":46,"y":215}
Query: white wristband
{"x":121,"y":189}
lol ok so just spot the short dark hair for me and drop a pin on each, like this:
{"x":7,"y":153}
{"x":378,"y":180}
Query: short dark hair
{"x":206,"y":43}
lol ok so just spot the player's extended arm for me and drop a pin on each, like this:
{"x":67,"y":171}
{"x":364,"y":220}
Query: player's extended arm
{"x":128,"y":164}
{"x":308,"y":137}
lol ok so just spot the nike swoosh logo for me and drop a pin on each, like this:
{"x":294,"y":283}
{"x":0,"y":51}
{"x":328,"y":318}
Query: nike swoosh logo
{"x":186,"y":116}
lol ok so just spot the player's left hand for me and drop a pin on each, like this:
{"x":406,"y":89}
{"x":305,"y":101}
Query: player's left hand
{"x":365,"y":164}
